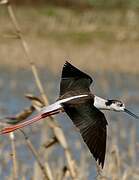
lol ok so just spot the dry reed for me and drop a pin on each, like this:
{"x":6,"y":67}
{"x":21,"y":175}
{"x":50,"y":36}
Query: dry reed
{"x":14,"y":158}
{"x":53,"y":124}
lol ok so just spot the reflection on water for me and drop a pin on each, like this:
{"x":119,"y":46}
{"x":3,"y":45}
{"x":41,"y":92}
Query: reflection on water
{"x":14,"y":84}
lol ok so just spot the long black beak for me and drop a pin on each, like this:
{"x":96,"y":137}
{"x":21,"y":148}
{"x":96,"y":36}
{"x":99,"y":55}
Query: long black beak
{"x":130,"y":113}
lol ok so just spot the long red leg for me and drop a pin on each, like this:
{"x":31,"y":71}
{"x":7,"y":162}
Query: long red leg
{"x":28,"y":122}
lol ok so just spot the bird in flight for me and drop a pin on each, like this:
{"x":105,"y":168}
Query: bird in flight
{"x":84,"y":109}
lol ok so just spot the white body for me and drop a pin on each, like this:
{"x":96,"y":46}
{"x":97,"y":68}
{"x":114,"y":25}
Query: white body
{"x":57,"y":105}
{"x":100,"y":103}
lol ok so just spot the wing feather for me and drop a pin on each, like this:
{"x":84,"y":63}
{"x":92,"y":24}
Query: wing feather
{"x":92,"y":125}
{"x":72,"y":79}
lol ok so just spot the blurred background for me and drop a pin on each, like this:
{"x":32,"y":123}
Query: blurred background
{"x":101,"y":37}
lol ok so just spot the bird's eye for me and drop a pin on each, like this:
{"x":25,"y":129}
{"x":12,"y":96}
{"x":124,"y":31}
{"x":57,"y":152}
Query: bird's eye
{"x":120,"y":105}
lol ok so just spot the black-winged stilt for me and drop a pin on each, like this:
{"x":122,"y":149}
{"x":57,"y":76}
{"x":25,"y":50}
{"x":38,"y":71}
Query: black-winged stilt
{"x":83,"y":108}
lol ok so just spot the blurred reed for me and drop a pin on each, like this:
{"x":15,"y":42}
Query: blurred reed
{"x":52,"y":123}
{"x":96,"y":40}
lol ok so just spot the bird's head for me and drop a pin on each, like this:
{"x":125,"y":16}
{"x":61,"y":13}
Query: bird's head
{"x":117,"y":105}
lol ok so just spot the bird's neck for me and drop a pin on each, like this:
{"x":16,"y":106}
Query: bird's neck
{"x":100,"y":103}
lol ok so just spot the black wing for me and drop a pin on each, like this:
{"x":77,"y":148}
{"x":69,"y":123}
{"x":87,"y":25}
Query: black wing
{"x":92,"y":125}
{"x":73,"y":79}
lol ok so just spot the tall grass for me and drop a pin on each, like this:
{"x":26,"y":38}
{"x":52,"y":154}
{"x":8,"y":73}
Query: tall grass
{"x":84,"y":3}
{"x":94,"y":40}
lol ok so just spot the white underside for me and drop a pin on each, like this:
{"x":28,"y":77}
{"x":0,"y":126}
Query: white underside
{"x":57,"y":105}
{"x":100,"y":103}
